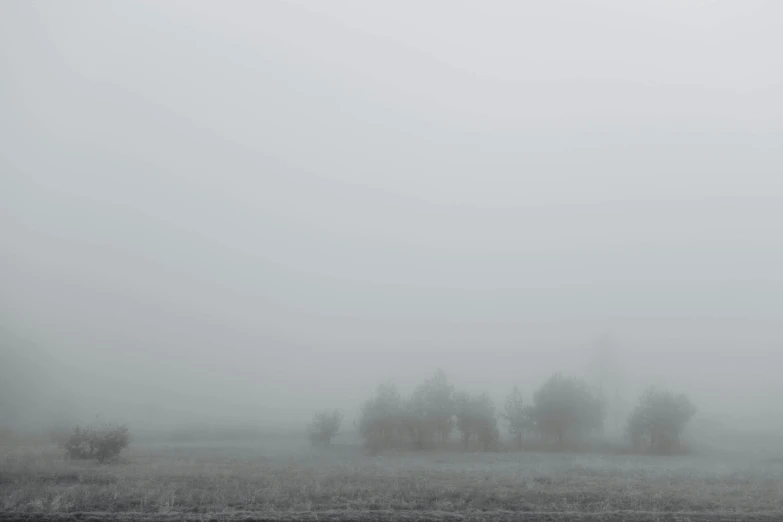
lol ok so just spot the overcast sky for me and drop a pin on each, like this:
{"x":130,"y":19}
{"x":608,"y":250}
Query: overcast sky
{"x":213,"y":207}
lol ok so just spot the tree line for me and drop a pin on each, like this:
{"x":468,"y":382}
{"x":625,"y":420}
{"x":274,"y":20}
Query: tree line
{"x":562,"y":412}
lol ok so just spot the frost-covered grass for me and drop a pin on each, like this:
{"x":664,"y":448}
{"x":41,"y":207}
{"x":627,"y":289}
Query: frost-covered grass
{"x":276,"y":477}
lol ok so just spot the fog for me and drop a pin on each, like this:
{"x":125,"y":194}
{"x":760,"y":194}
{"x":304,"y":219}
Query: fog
{"x":248,"y":211}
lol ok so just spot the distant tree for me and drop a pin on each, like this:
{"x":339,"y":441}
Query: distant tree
{"x":530,"y":415}
{"x":463,"y":408}
{"x":430,"y":411}
{"x":565,"y":406}
{"x":487,"y":431}
{"x":381,"y":417}
{"x":324,"y":426}
{"x":417,"y":421}
{"x":101,"y":442}
{"x":518,"y":416}
{"x":659,"y":420}
{"x":476,"y":420}
{"x":438,"y":394}
{"x":109,"y":440}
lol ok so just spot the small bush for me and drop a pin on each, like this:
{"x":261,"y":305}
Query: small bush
{"x":103,"y":442}
{"x":77,"y":445}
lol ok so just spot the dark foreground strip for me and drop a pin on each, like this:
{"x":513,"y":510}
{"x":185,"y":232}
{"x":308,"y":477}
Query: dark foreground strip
{"x":392,"y":516}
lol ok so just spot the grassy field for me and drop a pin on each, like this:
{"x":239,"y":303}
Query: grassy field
{"x":278,"y":480}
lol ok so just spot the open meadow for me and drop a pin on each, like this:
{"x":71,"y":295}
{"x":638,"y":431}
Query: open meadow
{"x":287,"y":479}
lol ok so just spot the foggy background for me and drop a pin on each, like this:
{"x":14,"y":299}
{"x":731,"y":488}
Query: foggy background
{"x":246,"y":211}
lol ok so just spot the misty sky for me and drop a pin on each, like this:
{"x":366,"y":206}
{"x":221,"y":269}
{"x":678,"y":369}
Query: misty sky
{"x":215,"y":208}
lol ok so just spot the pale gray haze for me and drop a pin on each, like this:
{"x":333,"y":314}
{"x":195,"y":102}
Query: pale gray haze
{"x":254,"y":210}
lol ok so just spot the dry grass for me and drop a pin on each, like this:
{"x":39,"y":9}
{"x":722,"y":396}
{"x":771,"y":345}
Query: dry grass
{"x":286,"y":481}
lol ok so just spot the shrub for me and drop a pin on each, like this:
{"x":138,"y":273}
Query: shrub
{"x":659,"y":419}
{"x":103,"y":442}
{"x":109,"y":440}
{"x":77,"y":445}
{"x":325,"y":425}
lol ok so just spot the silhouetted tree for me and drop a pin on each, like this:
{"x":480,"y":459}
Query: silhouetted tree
{"x":430,"y":411}
{"x":659,"y":419}
{"x":476,"y":420}
{"x":381,"y":417}
{"x":324,"y":426}
{"x":438,"y":394}
{"x":518,"y":416}
{"x":417,"y":420}
{"x":565,"y":406}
